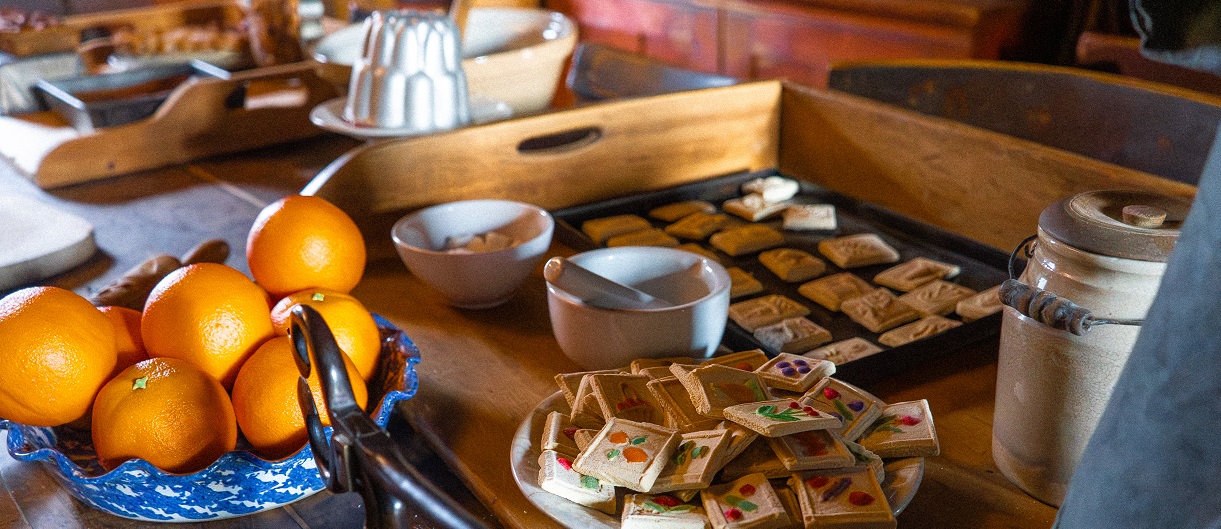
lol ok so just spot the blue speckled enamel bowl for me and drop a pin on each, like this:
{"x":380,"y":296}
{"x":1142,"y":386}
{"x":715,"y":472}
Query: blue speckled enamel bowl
{"x":237,"y":484}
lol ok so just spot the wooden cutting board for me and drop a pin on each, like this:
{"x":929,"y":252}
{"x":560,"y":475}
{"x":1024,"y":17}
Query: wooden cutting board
{"x":38,"y":241}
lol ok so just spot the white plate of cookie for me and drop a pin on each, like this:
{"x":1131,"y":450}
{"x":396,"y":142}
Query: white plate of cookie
{"x":719,"y":441}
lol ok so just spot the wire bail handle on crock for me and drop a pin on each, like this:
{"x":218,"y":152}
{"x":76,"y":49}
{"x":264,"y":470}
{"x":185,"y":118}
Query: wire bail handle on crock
{"x":1047,"y":308}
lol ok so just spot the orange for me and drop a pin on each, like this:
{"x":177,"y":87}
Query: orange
{"x":265,"y":399}
{"x":302,"y":242}
{"x":127,"y":341}
{"x":208,"y":314}
{"x":354,"y":329}
{"x":56,"y":351}
{"x":165,"y":411}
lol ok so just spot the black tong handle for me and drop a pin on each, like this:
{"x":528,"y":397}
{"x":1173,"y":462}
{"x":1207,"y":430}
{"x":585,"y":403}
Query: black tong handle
{"x":361,"y":456}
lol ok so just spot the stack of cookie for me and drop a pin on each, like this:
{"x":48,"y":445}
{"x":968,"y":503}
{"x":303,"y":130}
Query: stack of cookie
{"x":738,"y":441}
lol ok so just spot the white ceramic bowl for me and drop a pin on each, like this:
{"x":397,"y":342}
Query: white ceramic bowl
{"x":511,"y":55}
{"x":598,"y":338}
{"x":474,"y":280}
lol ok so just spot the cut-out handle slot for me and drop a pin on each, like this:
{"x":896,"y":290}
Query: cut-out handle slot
{"x":275,"y":92}
{"x":560,"y":142}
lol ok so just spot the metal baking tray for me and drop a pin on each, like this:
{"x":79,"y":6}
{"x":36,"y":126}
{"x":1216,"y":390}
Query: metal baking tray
{"x":106,"y":100}
{"x":982,"y":266}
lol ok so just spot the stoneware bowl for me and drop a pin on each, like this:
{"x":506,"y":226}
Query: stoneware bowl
{"x":474,"y":280}
{"x":237,"y":484}
{"x":599,"y":338}
{"x":510,"y":54}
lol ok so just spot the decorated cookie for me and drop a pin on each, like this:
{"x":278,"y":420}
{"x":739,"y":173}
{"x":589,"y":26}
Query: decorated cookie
{"x":742,"y":283}
{"x":937,"y":297}
{"x":793,"y":335}
{"x":714,"y":387}
{"x":569,"y":383}
{"x":792,"y":265}
{"x":628,"y":453}
{"x":679,"y":409}
{"x":648,"y":237}
{"x":879,"y":310}
{"x":758,"y":312}
{"x":641,"y":364}
{"x":677,"y":210}
{"x":919,"y":329}
{"x":867,"y":458}
{"x":748,"y":360}
{"x":791,"y":372}
{"x":657,"y":372}
{"x":810,"y":217}
{"x":740,"y":438}
{"x":746,"y":239}
{"x":559,"y":434}
{"x":833,"y":290}
{"x":583,"y":437}
{"x":862,"y":249}
{"x":753,"y":207}
{"x":810,"y":450}
{"x":601,"y":230}
{"x":905,"y":429}
{"x":792,"y":507}
{"x":985,"y":303}
{"x":747,"y":502}
{"x":758,"y":457}
{"x":847,"y":497}
{"x":844,"y":351}
{"x":911,"y":274}
{"x":587,"y":413}
{"x":780,"y":417}
{"x":556,"y":475}
{"x":626,"y":396}
{"x":661,"y":511}
{"x":772,"y":188}
{"x":698,"y":226}
{"x":855,"y":406}
{"x":694,"y":461}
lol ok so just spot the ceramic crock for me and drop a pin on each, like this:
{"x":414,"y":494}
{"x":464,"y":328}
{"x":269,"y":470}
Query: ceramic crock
{"x":1069,"y":325}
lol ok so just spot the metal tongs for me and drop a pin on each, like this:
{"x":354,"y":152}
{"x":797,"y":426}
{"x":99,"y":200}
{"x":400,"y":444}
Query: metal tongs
{"x":360,"y":456}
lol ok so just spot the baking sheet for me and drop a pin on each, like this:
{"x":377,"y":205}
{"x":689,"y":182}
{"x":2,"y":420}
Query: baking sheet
{"x":982,"y":266}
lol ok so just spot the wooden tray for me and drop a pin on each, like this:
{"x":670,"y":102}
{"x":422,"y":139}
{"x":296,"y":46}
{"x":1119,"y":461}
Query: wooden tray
{"x":201,"y":117}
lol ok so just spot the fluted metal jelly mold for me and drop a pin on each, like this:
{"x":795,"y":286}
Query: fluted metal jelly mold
{"x":409,"y":75}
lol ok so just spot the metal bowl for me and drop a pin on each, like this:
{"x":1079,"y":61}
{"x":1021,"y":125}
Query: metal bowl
{"x":237,"y":484}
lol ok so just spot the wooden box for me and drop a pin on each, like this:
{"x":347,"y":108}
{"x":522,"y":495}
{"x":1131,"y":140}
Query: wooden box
{"x":981,"y":184}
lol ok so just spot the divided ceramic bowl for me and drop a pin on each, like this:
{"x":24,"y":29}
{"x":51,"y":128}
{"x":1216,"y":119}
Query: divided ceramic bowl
{"x":237,"y":484}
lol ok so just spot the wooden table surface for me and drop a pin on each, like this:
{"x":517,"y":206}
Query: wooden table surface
{"x":482,"y":371}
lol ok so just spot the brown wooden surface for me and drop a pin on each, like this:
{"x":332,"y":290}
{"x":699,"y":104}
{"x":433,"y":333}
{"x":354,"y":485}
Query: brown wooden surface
{"x":483,"y":371}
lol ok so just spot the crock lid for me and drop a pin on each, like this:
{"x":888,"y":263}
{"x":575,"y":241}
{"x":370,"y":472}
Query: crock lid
{"x":1126,"y":224}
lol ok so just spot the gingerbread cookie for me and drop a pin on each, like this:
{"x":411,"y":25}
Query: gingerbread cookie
{"x":844,"y":351}
{"x":862,"y":249}
{"x":766,"y":310}
{"x":792,"y":265}
{"x":879,"y":310}
{"x":832,"y":291}
{"x":911,"y":274}
{"x":746,"y":239}
{"x":601,"y":230}
{"x":793,"y":335}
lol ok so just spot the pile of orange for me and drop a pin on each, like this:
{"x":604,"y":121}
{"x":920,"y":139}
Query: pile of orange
{"x":173,"y":383}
